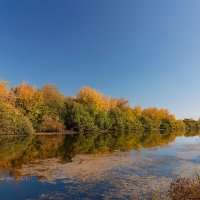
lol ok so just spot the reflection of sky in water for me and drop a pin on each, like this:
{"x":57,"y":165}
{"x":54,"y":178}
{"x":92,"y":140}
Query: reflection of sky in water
{"x":187,"y":140}
{"x":123,"y":175}
{"x":183,"y":156}
{"x":183,"y":147}
{"x":20,"y":190}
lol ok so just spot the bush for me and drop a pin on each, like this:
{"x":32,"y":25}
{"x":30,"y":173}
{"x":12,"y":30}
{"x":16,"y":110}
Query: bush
{"x":23,"y":125}
{"x":12,"y":122}
{"x":102,"y":121}
{"x":118,"y":119}
{"x":50,"y":124}
{"x":190,"y":124}
{"x":146,"y":122}
{"x":53,"y":100}
{"x":78,"y":118}
{"x":165,"y":124}
{"x":179,"y":125}
{"x":137,"y":125}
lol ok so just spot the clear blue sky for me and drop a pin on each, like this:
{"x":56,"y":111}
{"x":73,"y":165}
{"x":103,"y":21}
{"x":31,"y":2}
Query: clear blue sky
{"x":146,"y":51}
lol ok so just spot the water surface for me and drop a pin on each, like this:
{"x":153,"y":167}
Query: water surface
{"x":94,"y":166}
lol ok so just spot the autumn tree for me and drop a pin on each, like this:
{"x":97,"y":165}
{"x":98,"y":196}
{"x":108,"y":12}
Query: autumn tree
{"x":118,"y":119}
{"x":3,"y":90}
{"x":77,"y":117}
{"x":50,"y":124}
{"x":190,"y":124}
{"x":91,"y":99}
{"x":102,"y":120}
{"x":49,"y":110}
{"x":53,"y":99}
{"x":137,"y":111}
{"x":53,"y":109}
{"x":151,"y":118}
{"x":12,"y":121}
{"x":30,"y":102}
{"x":179,"y":125}
{"x":122,"y":103}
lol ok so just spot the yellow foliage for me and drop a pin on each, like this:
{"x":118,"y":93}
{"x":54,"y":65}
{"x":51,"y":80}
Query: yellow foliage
{"x":50,"y":124}
{"x":27,"y":97}
{"x":129,"y":113}
{"x":137,"y":111}
{"x":155,"y":113}
{"x":3,"y":89}
{"x":91,"y":97}
{"x":122,"y":103}
{"x":25,"y":91}
{"x":97,"y":100}
{"x":109,"y":103}
{"x":53,"y":99}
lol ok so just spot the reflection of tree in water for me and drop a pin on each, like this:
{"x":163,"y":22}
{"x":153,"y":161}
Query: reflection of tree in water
{"x":192,"y":133}
{"x":109,"y":142}
{"x":16,"y":151}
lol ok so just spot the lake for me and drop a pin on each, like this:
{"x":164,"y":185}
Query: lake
{"x":95,"y":166}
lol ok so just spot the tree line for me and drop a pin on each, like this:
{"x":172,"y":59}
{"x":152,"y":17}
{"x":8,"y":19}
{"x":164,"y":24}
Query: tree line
{"x":26,"y":109}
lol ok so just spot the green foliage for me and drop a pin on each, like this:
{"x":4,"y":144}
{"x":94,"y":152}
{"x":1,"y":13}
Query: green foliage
{"x":118,"y":119}
{"x":191,"y":124}
{"x":179,"y":125}
{"x":165,"y":124}
{"x":29,"y":101}
{"x":48,"y":110}
{"x":151,"y":118}
{"x":102,"y":120}
{"x":23,"y":125}
{"x":77,"y":117}
{"x":12,"y":122}
{"x":137,"y":124}
{"x":53,"y":100}
{"x":146,"y":123}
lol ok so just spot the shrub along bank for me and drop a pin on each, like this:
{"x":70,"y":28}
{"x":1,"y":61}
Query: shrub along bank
{"x":25,"y":108}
